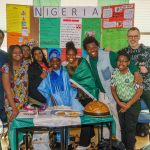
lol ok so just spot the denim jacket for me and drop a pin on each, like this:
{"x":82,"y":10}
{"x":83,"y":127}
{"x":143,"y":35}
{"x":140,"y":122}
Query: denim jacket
{"x":105,"y":70}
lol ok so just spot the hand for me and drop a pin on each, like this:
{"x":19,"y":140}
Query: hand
{"x":128,"y":105}
{"x":138,"y":78}
{"x":43,"y":74}
{"x":50,"y":69}
{"x":122,"y":105}
{"x":107,"y":49}
{"x":73,"y":85}
{"x":14,"y":113}
{"x":143,"y":69}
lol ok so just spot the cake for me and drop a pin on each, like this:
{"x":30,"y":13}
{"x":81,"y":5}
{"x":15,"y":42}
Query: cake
{"x":96,"y":108}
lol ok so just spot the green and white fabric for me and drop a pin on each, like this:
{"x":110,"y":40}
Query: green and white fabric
{"x":52,"y":121}
{"x":21,"y":123}
{"x":83,"y":79}
{"x":124,"y":84}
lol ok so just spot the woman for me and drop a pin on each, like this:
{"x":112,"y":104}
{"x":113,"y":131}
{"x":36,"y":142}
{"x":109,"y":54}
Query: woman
{"x":15,"y":81}
{"x":26,"y":53}
{"x":36,"y":73}
{"x":81,"y":78}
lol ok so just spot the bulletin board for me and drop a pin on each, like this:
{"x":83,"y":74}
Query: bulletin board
{"x":24,"y":28}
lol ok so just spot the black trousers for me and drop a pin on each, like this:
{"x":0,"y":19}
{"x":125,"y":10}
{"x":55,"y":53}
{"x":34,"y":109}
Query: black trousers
{"x":128,"y":121}
{"x":87,"y":131}
{"x":146,"y":97}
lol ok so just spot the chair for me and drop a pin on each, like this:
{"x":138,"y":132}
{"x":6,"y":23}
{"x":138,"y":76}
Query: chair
{"x":144,"y":117}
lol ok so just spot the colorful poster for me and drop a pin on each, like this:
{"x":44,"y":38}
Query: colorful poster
{"x":46,"y":2}
{"x":18,"y":24}
{"x":111,"y":2}
{"x":70,"y":30}
{"x":49,"y":32}
{"x":115,"y":39}
{"x":18,"y":19}
{"x":118,"y":16}
{"x":91,"y":27}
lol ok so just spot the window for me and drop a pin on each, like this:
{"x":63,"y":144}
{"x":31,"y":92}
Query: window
{"x":142,"y":17}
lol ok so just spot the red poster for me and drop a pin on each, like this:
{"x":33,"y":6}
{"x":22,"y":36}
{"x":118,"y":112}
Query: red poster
{"x":118,"y":16}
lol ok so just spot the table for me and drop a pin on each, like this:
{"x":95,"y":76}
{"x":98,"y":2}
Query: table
{"x":26,"y":124}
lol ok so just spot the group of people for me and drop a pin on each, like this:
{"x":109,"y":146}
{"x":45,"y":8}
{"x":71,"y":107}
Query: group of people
{"x":116,"y":79}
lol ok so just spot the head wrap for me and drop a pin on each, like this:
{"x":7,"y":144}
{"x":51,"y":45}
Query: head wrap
{"x":54,"y":53}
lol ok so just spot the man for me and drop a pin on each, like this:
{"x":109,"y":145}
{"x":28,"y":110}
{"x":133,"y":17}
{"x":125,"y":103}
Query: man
{"x":141,"y":55}
{"x":102,"y":65}
{"x":3,"y":60}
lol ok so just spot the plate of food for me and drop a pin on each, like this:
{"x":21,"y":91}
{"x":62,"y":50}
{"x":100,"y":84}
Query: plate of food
{"x":60,"y":113}
{"x":68,"y":113}
{"x":73,"y":114}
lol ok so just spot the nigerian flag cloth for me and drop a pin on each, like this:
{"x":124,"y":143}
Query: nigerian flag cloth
{"x":49,"y":121}
{"x":83,"y":79}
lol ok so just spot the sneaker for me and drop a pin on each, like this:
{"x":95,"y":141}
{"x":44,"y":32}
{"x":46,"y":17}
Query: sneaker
{"x":82,"y":147}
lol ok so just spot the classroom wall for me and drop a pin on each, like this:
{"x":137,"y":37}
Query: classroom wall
{"x":78,"y":2}
{"x":142,"y":14}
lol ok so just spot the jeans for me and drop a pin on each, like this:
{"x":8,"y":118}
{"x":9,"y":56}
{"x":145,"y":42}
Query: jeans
{"x":146,"y":97}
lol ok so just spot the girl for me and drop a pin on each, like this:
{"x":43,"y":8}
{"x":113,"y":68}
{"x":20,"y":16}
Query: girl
{"x":15,"y":81}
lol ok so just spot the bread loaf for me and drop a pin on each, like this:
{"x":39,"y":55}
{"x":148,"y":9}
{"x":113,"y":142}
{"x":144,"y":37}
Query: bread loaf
{"x":96,"y":108}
